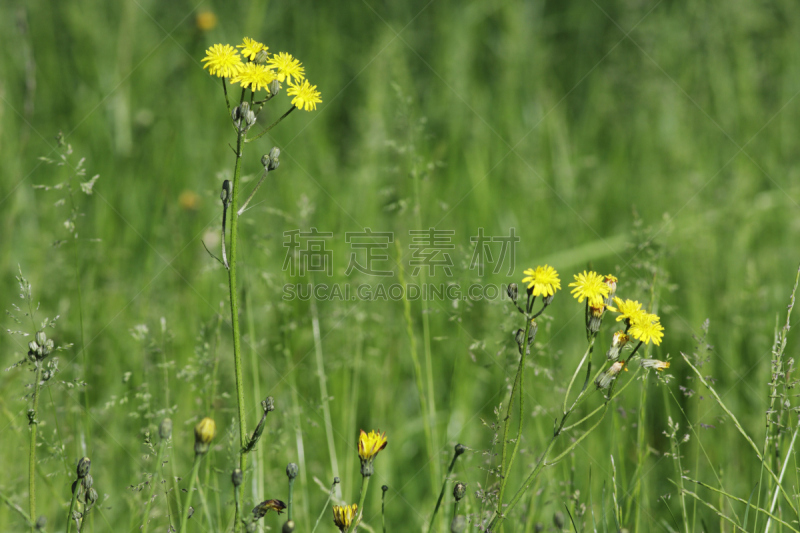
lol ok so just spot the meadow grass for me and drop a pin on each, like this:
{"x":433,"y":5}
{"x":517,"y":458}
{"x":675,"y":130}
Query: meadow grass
{"x":655,"y":141}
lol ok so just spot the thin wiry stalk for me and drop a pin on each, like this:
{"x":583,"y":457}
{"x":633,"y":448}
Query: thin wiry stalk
{"x":676,"y":455}
{"x":361,"y":498}
{"x":153,"y":483}
{"x":188,"y":504}
{"x":298,"y":427}
{"x":780,"y":479}
{"x":32,"y":451}
{"x":259,"y":466}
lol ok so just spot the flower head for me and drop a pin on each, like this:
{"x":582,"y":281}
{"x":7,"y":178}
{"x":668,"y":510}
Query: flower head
{"x":607,"y":378}
{"x":251,"y":48}
{"x":206,"y":20}
{"x":204,"y":433}
{"x":222,"y":61}
{"x":306,"y":96}
{"x":287,"y":67}
{"x":254,"y":76}
{"x":269,"y":505}
{"x":618,"y":342}
{"x":627,"y":309}
{"x":654,"y":363}
{"x":647,"y":328}
{"x":543,"y":280}
{"x":343,"y":515}
{"x":369,"y":444}
{"x":591,"y":286}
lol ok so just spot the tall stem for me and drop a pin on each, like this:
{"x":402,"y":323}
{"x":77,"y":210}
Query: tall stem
{"x":153,"y":483}
{"x":361,"y":498}
{"x":188,"y":504}
{"x":237,"y":355}
{"x":32,"y":452}
{"x":71,"y":507}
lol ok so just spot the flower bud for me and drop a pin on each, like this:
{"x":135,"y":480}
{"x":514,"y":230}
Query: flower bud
{"x":519,"y":336}
{"x":459,"y":491}
{"x":83,"y":467}
{"x":288,"y":527}
{"x":225,"y":194}
{"x":165,"y":429}
{"x":268,"y":405}
{"x":547,"y":300}
{"x":32,"y":347}
{"x":336,"y":480}
{"x":460,"y":448}
{"x":274,"y":160}
{"x":385,"y":488}
{"x":88,"y":481}
{"x":91,"y":496}
{"x":532,"y":331}
{"x":292,"y":470}
{"x":262,"y":57}
{"x":204,"y":433}
{"x":41,"y":338}
{"x":274,"y":87}
{"x":237,"y":477}
{"x":513,"y":292}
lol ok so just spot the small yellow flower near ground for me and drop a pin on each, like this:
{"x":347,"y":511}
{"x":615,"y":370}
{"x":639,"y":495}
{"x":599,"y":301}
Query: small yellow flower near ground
{"x":306,"y":96}
{"x":655,"y":363}
{"x":627,"y":309}
{"x":204,"y":433}
{"x":544,"y":280}
{"x":343,"y":515}
{"x":206,"y":20}
{"x":591,"y":286}
{"x":251,"y":48}
{"x":647,"y":328}
{"x":287,"y":67}
{"x":222,"y":61}
{"x":254,"y":76}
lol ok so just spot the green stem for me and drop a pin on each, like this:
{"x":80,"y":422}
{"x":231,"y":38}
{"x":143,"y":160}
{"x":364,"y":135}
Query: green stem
{"x":188,"y":504}
{"x":237,"y":355}
{"x":271,"y":125}
{"x":32,"y":452}
{"x":361,"y":498}
{"x":290,"y":505}
{"x":17,"y":508}
{"x":325,"y":507}
{"x":383,"y":508}
{"x":153,"y":483}
{"x":519,"y":378}
{"x":260,"y":467}
{"x":237,"y":499}
{"x":71,"y":506}
{"x":444,"y":487}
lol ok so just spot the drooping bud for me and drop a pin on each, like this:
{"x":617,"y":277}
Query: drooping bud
{"x":288,"y":527}
{"x":165,"y":429}
{"x":83,"y":467}
{"x":292,"y":470}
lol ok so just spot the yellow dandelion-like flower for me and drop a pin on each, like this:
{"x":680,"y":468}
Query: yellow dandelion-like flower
{"x":647,"y":328}
{"x":369,"y":444}
{"x":204,"y":433}
{"x":306,"y":96}
{"x":655,"y":363}
{"x":343,"y":515}
{"x":287,"y":66}
{"x":627,"y":309}
{"x":251,"y":48}
{"x":222,"y":61}
{"x":544,"y":280}
{"x":254,"y":76}
{"x":591,"y":286}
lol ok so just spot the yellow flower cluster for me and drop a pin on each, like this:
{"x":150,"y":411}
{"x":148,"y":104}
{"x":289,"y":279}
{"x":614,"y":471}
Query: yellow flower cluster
{"x":254,"y":68}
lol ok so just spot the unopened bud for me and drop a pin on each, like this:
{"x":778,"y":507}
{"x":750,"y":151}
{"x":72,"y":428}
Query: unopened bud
{"x":83,"y":467}
{"x":460,"y":448}
{"x":225,"y":194}
{"x":519,"y":336}
{"x":165,"y":429}
{"x":459,"y":491}
{"x":91,"y":496}
{"x":336,"y":480}
{"x":274,"y":158}
{"x":288,"y":527}
{"x":262,"y":57}
{"x":88,"y":481}
{"x":237,"y":477}
{"x":532,"y":331}
{"x":547,"y":300}
{"x":385,"y":488}
{"x":204,"y":433}
{"x":32,"y":347}
{"x":268,"y":405}
{"x":513,"y":292}
{"x":41,"y":338}
{"x":292,"y":470}
{"x":274,"y":87}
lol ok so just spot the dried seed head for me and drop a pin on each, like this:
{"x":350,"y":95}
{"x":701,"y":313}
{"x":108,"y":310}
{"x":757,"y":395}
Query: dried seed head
{"x":292,"y":470}
{"x":83,"y":467}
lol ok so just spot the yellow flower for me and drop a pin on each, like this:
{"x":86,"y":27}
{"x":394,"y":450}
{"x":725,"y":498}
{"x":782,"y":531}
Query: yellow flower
{"x":647,"y":328}
{"x":222,"y":61}
{"x":306,"y":96}
{"x":206,"y":20}
{"x":287,"y":67}
{"x":655,"y":363}
{"x":260,"y":510}
{"x":204,"y":433}
{"x":343,"y":515}
{"x":591,"y":286}
{"x":544,"y":280}
{"x":251,"y":48}
{"x":369,"y":444}
{"x":627,"y":309}
{"x":254,"y":76}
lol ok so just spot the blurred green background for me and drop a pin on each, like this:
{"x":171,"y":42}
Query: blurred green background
{"x":652,"y":139}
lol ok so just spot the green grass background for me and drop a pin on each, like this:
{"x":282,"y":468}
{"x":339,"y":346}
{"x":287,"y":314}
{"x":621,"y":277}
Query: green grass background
{"x":568,"y":121}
